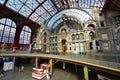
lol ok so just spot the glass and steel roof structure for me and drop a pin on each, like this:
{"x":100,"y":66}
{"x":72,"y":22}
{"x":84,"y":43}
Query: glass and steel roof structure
{"x":42,"y":10}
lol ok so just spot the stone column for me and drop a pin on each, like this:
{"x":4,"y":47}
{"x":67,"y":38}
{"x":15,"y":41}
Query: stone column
{"x":50,"y":65}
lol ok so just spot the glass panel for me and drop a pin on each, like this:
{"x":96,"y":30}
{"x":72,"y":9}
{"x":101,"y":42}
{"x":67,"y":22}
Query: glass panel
{"x":5,"y":39}
{"x":1,"y":32}
{"x":2,"y":20}
{"x":47,"y":5}
{"x":13,"y":25}
{"x":25,"y":11}
{"x":14,"y":4}
{"x":46,"y":16}
{"x":32,"y":4}
{"x":21,"y":41}
{"x":7,"y":28}
{"x":34,"y":16}
{"x":52,"y":10}
{"x":6,"y":34}
{"x":29,"y":30}
{"x":12,"y":35}
{"x":1,"y":27}
{"x":13,"y":30}
{"x":0,"y":39}
{"x":11,"y":40}
{"x":8,"y":22}
{"x":40,"y":20}
{"x":40,"y":11}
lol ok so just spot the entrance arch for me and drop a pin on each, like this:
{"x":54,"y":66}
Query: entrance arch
{"x":64,"y":45}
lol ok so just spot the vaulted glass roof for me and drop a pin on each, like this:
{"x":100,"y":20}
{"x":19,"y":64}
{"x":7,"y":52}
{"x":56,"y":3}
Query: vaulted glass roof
{"x":76,"y":15}
{"x":42,"y":10}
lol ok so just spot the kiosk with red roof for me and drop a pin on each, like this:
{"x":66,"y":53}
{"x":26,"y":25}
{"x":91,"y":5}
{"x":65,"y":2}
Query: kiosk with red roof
{"x":41,"y":72}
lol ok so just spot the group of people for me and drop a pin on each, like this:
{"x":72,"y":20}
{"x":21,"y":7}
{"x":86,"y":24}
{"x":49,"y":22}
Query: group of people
{"x":19,"y":63}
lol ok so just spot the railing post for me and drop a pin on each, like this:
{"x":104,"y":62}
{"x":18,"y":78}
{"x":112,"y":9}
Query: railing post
{"x":64,"y":65}
{"x":85,"y":69}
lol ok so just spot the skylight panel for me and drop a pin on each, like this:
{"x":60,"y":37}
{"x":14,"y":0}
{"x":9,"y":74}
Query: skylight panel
{"x":46,"y":16}
{"x":47,"y":5}
{"x":31,"y":4}
{"x":40,"y":10}
{"x":52,"y":10}
{"x":14,"y":4}
{"x":34,"y":16}
{"x":40,"y":20}
{"x":25,"y":11}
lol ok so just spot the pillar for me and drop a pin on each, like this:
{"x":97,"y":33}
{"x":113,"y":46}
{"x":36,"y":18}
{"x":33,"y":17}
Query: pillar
{"x":63,"y":65}
{"x":75,"y":67}
{"x":85,"y":69}
{"x":50,"y":64}
{"x":36,"y":62}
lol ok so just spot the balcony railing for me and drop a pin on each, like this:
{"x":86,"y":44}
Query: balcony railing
{"x":110,"y":59}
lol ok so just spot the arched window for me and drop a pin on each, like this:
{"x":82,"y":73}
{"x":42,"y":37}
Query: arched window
{"x":90,"y":27}
{"x":45,"y":34}
{"x":44,"y":40}
{"x":77,"y":36}
{"x":25,"y":35}
{"x":7,"y":30}
{"x":92,"y":35}
{"x":73,"y":37}
{"x":81,"y":36}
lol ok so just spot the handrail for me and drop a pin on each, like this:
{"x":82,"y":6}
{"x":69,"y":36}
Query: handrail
{"x":111,"y":62}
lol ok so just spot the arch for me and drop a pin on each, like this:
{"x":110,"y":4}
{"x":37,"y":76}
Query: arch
{"x":63,"y":30}
{"x":25,"y":35}
{"x":81,"y":36}
{"x":7,"y":30}
{"x":73,"y":36}
{"x":92,"y":35}
{"x":79,"y":14}
{"x":91,"y":26}
{"x":45,"y":33}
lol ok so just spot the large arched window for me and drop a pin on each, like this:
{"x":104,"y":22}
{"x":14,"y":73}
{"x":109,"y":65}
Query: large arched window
{"x":25,"y":35}
{"x":7,"y":30}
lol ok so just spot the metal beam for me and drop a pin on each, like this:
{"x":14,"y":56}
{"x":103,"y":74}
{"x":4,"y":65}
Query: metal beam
{"x":36,"y":9}
{"x":53,"y":1}
{"x":5,"y":2}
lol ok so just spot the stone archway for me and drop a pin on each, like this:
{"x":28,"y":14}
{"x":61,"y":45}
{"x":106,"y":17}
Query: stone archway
{"x":64,"y":45}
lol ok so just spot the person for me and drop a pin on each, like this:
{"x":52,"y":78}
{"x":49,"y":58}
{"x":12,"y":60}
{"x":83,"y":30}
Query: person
{"x":48,"y":76}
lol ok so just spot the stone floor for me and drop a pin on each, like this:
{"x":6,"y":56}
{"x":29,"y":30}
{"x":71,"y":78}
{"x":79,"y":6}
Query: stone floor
{"x":58,"y":74}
